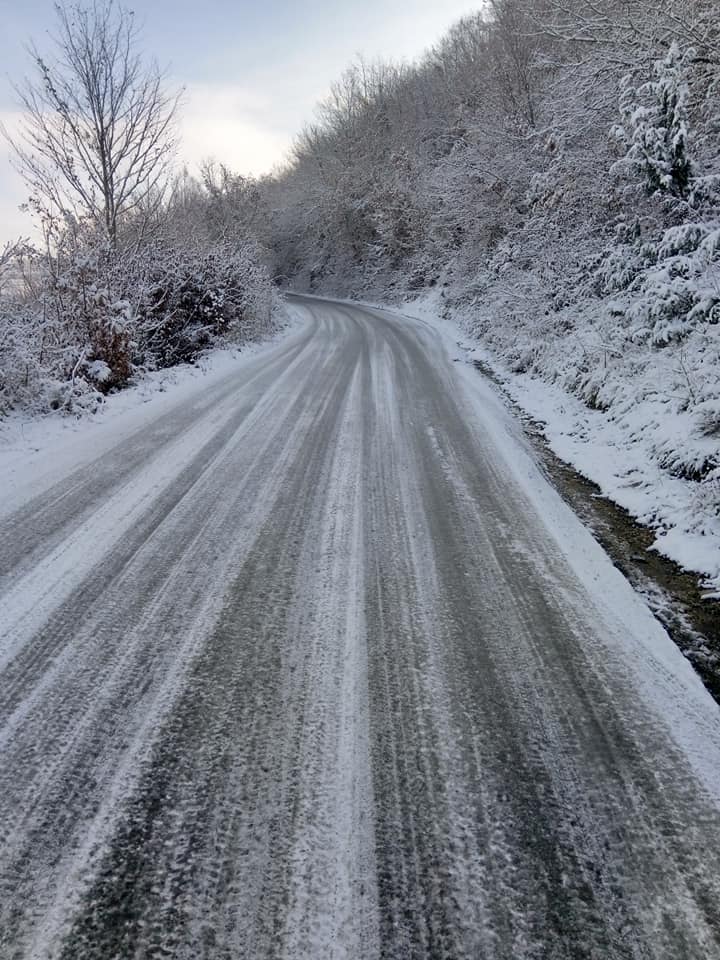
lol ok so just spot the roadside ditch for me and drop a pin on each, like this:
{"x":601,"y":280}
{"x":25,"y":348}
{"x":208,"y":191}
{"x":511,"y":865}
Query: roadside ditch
{"x":674,"y":595}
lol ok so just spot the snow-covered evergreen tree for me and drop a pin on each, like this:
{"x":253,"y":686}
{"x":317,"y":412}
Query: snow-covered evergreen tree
{"x":654,"y":126}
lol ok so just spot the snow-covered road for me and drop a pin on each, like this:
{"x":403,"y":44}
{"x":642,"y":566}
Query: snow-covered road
{"x":318,"y":665}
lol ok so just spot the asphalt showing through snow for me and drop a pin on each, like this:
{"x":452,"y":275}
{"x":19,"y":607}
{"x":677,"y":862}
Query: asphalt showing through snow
{"x":301,"y":671}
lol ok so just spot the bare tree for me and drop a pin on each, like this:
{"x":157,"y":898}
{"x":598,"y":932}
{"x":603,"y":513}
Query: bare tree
{"x":98,"y":134}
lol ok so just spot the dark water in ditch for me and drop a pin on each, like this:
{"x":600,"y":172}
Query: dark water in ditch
{"x":674,"y":595}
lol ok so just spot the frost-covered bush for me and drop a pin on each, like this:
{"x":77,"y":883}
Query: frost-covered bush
{"x":93,"y":320}
{"x":665,"y":288}
{"x":21,"y":368}
{"x":192,"y":298}
{"x":83,"y":318}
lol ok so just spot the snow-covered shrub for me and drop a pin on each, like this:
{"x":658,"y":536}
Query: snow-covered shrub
{"x":707,"y":417}
{"x":84,"y":291}
{"x":87,"y":317}
{"x":193,"y":298}
{"x":670,"y":286}
{"x":21,"y":368}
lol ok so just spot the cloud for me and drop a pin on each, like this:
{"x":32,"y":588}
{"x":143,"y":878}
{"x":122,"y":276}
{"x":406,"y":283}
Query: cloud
{"x":233,"y":125}
{"x":13,"y":192}
{"x":399,"y":30}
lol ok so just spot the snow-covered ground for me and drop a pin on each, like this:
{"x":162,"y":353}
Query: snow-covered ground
{"x":627,"y":450}
{"x":35,"y":450}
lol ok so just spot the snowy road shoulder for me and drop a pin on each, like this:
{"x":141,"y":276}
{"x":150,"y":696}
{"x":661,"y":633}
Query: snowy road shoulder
{"x":37,"y":452}
{"x":669,"y":685}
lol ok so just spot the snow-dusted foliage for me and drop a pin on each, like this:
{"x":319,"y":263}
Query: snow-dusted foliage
{"x":654,"y":128}
{"x":189,"y":298}
{"x":85,"y":318}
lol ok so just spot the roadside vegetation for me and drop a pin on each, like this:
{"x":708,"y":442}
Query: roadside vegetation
{"x":140,"y":267}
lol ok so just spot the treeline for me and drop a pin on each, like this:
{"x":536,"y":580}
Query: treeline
{"x":537,"y":131}
{"x":139,"y":268}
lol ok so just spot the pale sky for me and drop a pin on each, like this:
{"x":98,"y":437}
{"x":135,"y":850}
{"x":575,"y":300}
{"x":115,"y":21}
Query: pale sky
{"x":253,"y":72}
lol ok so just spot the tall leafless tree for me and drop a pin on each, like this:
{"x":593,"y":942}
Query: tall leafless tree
{"x":98,"y":134}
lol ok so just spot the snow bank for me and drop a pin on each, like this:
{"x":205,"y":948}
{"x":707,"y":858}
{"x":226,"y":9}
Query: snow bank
{"x":34,"y":451}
